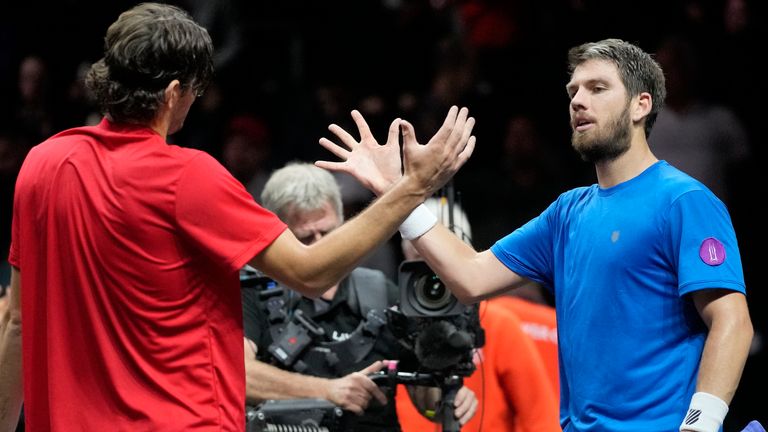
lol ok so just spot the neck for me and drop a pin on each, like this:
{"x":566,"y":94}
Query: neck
{"x":160,"y":124}
{"x":627,"y":166}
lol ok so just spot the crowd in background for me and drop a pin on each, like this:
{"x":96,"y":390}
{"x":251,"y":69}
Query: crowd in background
{"x":288,"y":69}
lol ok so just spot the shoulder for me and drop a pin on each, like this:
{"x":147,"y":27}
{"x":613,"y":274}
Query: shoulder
{"x":672,"y":184}
{"x":372,"y":283}
{"x":574,"y":196}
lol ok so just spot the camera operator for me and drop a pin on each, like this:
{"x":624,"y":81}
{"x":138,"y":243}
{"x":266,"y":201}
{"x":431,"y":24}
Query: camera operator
{"x":511,"y":382}
{"x":308,"y":199}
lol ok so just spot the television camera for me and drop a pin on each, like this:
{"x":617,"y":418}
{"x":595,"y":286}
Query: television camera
{"x":428,"y":321}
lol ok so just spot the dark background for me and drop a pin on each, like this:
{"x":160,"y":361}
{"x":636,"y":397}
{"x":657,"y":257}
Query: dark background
{"x":290,"y":68}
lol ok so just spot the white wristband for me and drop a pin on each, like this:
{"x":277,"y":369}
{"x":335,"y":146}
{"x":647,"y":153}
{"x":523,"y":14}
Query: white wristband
{"x":705,"y":414}
{"x":417,"y":223}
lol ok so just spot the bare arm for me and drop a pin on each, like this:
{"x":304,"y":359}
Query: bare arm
{"x":312,"y":269}
{"x":727,"y":345}
{"x":11,"y":391}
{"x":471,"y":276}
{"x":352,"y":392}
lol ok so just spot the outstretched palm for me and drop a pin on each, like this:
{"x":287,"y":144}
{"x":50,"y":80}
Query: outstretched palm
{"x":376,"y":166}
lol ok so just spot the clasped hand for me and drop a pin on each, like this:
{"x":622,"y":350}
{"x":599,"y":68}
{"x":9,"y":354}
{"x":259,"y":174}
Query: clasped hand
{"x":379,"y":167}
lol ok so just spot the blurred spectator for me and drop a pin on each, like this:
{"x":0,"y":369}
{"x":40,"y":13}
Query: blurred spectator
{"x":703,"y":140}
{"x":246,"y":151}
{"x":34,"y":111}
{"x":13,"y":148}
{"x":527,"y":173}
{"x":223,"y":22}
{"x":81,"y":109}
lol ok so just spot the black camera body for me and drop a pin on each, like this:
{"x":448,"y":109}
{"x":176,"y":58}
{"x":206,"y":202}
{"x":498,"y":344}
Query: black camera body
{"x":431,"y":322}
{"x":423,"y":294}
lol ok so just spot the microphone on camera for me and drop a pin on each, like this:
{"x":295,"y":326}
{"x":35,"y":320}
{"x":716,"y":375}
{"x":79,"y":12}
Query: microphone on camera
{"x":441,"y":345}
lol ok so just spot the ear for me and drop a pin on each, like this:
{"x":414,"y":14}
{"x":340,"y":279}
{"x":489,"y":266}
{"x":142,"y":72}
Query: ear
{"x":172,"y":94}
{"x":641,"y":106}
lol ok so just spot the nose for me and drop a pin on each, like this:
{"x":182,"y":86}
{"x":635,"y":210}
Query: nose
{"x":578,"y":100}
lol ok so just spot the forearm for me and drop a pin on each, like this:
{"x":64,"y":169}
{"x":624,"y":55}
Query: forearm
{"x":725,"y":353}
{"x":313,"y":269}
{"x":264,"y":381}
{"x":471,"y":276}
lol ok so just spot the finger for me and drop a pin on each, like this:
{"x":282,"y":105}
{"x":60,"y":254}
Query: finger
{"x":467,"y":416}
{"x":362,"y":126}
{"x":343,"y":135}
{"x":374,"y":367}
{"x":373,"y":390}
{"x":333,"y":166}
{"x":409,"y":134}
{"x":457,"y":131}
{"x":462,"y":158}
{"x":450,"y":118}
{"x":379,"y":395}
{"x":334,"y":148}
{"x":465,"y":134}
{"x":448,"y":124}
{"x":467,"y":130}
{"x":461,"y":118}
{"x":354,"y":407}
{"x":394,"y":132}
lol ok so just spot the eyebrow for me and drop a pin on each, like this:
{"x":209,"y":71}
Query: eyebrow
{"x":589,"y":82}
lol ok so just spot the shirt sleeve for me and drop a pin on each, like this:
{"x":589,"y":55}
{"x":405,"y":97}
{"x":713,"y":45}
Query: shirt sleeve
{"x":528,"y":250}
{"x":703,"y":245}
{"x":217,"y":214}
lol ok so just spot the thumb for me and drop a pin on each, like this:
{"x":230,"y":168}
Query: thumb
{"x":394,"y":132}
{"x":409,"y":134}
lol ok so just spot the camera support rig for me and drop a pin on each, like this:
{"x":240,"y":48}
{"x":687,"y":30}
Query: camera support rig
{"x":449,"y":384}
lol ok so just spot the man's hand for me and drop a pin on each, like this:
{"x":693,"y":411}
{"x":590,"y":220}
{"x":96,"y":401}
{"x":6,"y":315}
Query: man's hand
{"x":426,"y":399}
{"x":376,"y":166}
{"x":353,"y":392}
{"x":464,"y":405}
{"x":433,"y":164}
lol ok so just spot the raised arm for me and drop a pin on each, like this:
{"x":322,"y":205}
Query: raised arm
{"x":378,"y":167}
{"x":470,"y":275}
{"x":352,"y":392}
{"x":312,"y":269}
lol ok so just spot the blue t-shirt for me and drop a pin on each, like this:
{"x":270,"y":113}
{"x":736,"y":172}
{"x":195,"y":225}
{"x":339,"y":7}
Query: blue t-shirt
{"x":619,"y":262}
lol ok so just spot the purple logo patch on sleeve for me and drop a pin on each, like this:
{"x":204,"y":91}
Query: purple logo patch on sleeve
{"x":712,"y":252}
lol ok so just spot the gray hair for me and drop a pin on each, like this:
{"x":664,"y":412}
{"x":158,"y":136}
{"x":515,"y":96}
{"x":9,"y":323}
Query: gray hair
{"x":639,"y":72}
{"x":301,"y":186}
